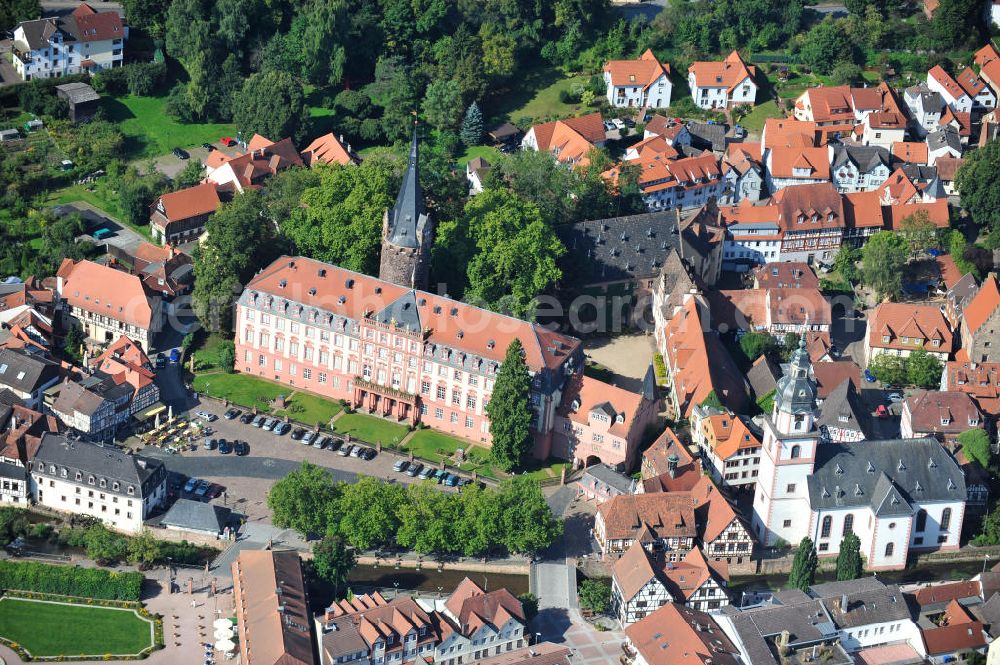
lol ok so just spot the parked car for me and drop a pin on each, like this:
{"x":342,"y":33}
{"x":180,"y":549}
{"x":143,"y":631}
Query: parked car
{"x":231,"y":414}
{"x":462,"y":482}
{"x":269,"y":424}
{"x":618,"y":124}
{"x":414,"y":469}
{"x":426,"y":473}
{"x":208,"y":146}
{"x":320,"y":442}
{"x":282,"y":428}
{"x":298,"y":433}
{"x":247,"y":418}
{"x":334,"y":444}
{"x":258,"y":420}
{"x":180,"y":154}
{"x":225,"y":447}
{"x":439,"y":476}
{"x":227,"y":141}
{"x":895,"y":397}
{"x":210,"y":444}
{"x":214,"y":491}
{"x":452,"y":480}
{"x":368,"y":454}
{"x":241,"y":448}
{"x":869,"y":377}
{"x":356,"y":451}
{"x":345,"y":449}
{"x":400,"y":465}
{"x":191,"y":485}
{"x":205,"y":415}
{"x":309,"y":437}
{"x":202,"y":488}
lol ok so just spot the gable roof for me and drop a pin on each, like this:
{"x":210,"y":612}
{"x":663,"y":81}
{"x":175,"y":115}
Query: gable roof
{"x":830,"y":375}
{"x":983,"y":304}
{"x":843,"y":409}
{"x":25,"y":372}
{"x":327,"y":149}
{"x":763,"y":376}
{"x":584,"y":394}
{"x":727,"y":73}
{"x":643,"y":72}
{"x":663,"y":514}
{"x":930,"y":409}
{"x":201,"y":199}
{"x":913,"y":152}
{"x":898,"y":320}
{"x":633,"y":571}
{"x":105,"y":291}
{"x":678,"y":635}
{"x":784,"y":162}
{"x":945,"y":80}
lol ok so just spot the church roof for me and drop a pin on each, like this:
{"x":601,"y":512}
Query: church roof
{"x":404,"y":218}
{"x":796,"y":391}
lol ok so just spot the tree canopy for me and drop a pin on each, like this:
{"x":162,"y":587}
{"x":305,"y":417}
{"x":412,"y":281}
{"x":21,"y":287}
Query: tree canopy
{"x":923,"y":369}
{"x":510,"y":411}
{"x":270,"y":104}
{"x":889,"y":369}
{"x":882,"y":260}
{"x":804,"y":566}
{"x":849,"y":563}
{"x":978,"y":185}
{"x":976,"y":446}
{"x":299,"y":500}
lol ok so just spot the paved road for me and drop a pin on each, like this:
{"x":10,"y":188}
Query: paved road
{"x":170,"y":166}
{"x":121,"y":236}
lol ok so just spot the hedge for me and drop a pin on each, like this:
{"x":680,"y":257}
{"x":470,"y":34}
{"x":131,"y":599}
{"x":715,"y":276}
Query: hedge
{"x":70,"y":580}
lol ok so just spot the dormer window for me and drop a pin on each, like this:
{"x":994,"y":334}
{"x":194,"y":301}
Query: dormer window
{"x":936,"y":343}
{"x":945,"y":421}
{"x":79,"y":476}
{"x":885,"y":339}
{"x":90,"y":480}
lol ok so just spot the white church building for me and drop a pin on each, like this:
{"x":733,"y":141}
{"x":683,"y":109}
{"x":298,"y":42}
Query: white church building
{"x":894,"y":495}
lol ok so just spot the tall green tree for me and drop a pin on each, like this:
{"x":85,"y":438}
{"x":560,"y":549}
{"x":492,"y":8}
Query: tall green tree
{"x":478,"y":527}
{"x":270,"y":104}
{"x":923,"y":369}
{"x":955,"y":22}
{"x":804,"y":566}
{"x":427,"y":520}
{"x":975,"y":445}
{"x":13,"y":12}
{"x":919,"y":232}
{"x":849,"y":564}
{"x":826,"y":45}
{"x":302,"y":498}
{"x":978,"y":185}
{"x":595,"y":595}
{"x":442,"y":104}
{"x":367,"y":514}
{"x":324,"y":39}
{"x":510,"y":411}
{"x":333,"y":561}
{"x":472,"y":126}
{"x":890,"y":370}
{"x":883,"y":258}
{"x":527,"y":524}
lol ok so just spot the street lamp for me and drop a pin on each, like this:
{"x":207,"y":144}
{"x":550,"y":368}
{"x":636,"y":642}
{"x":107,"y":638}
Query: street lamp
{"x":396,"y":585}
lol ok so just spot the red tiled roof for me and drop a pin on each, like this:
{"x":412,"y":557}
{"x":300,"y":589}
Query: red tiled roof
{"x":929,"y":409}
{"x":678,"y":635}
{"x":190,"y":202}
{"x":785,"y":162}
{"x":94,"y":26}
{"x":895,"y":320}
{"x":944,"y":79}
{"x":328,"y":150}
{"x":643,"y":72}
{"x":668,"y":514}
{"x":105,"y":291}
{"x":913,"y":152}
{"x":589,"y":393}
{"x":727,"y":73}
{"x":831,"y":374}
{"x":983,"y":304}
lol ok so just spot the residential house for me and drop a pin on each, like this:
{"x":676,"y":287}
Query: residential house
{"x":15,"y":487}
{"x":988,"y":60}
{"x":983,"y":98}
{"x":685,"y":183}
{"x":947,"y":168}
{"x":960,"y":293}
{"x":85,"y":40}
{"x":882,"y":129}
{"x":812,"y":220}
{"x":597,"y":422}
{"x":830,"y":375}
{"x":775,"y":311}
{"x":263,"y":159}
{"x":163,"y":270}
{"x":27,"y":375}
{"x":667,"y":465}
{"x":943,"y":142}
{"x":941,"y":415}
{"x":723,"y":534}
{"x":637,"y":586}
{"x":873,"y":115}
{"x":900,"y":328}
{"x":894,"y":495}
{"x":785,"y":275}
{"x":980,"y":329}
{"x":569,"y":140}
{"x":662,"y":522}
{"x":273,"y":618}
{"x":910,"y":152}
{"x":600,"y":482}
{"x":475,"y":172}
{"x":108,"y":303}
{"x":179,"y":217}
{"x":21,"y":429}
{"x":753,"y":236}
{"x":399,"y":352}
{"x":687,"y":344}
{"x":731,"y":445}
{"x":723,"y":84}
{"x":679,"y":635}
{"x":82,"y":478}
{"x":858,"y":168}
{"x":710,"y":136}
{"x":980,"y":381}
{"x":843,"y":417}
{"x":952,"y":635}
{"x":960,"y":122}
{"x":329,"y":149}
{"x":743,"y":173}
{"x":926,"y":107}
{"x":641,"y":83}
{"x":951,"y":92}
{"x":697,"y":582}
{"x":796,"y":166}
{"x":790,"y":133}
{"x":477,"y":624}
{"x":763,"y":376}
{"x":95,"y":406}
{"x":819,"y":346}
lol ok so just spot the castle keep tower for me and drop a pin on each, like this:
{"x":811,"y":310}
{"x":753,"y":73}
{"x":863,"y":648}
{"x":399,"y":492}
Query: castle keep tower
{"x":407,"y":232}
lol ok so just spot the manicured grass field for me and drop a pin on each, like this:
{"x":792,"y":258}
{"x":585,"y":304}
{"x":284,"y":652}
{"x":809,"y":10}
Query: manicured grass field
{"x":546,"y":104}
{"x":100,"y":198}
{"x":754,"y":121}
{"x":548,"y":469}
{"x":50,"y":629}
{"x":427,"y":443}
{"x":370,"y":429}
{"x":488,"y":153}
{"x":150,"y":132}
{"x":247,"y":391}
{"x":207,"y":353}
{"x":315,"y":409}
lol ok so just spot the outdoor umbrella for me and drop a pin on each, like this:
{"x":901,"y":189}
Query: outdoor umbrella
{"x":223,"y":634}
{"x":222,"y":624}
{"x":225,"y":645}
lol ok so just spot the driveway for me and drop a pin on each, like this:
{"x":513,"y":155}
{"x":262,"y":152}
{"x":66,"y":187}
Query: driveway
{"x":121,"y":236}
{"x":170,"y":166}
{"x":8,"y":75}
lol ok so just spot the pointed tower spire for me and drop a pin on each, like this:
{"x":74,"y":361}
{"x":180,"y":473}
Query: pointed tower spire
{"x":404,"y":219}
{"x":407,"y":231}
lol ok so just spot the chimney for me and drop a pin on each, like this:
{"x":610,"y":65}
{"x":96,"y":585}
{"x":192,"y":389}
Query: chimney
{"x":672,"y":460}
{"x":843,"y":603}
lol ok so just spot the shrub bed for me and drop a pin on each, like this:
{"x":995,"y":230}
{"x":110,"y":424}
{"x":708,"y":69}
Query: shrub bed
{"x":70,"y":580}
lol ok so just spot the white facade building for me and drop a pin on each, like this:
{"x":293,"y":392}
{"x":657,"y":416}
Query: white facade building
{"x":721,"y":84}
{"x":642,"y":83}
{"x":85,"y":40}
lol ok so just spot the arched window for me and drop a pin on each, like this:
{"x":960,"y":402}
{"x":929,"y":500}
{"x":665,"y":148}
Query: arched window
{"x":946,"y":519}
{"x":848,"y":524}
{"x":796,"y":451}
{"x":889,"y":549}
{"x":921,"y":520}
{"x":825,"y":529}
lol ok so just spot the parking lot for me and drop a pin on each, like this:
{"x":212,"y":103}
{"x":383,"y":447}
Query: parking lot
{"x":247,"y":479}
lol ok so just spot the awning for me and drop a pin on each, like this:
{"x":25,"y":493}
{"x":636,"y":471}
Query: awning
{"x":151,"y":411}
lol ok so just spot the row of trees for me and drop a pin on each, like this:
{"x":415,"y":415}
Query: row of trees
{"x":70,"y":580}
{"x":920,"y":369}
{"x":850,"y":563}
{"x":373,"y":514}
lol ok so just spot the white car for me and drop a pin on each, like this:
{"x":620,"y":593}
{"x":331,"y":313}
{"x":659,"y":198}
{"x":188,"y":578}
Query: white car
{"x":210,"y":417}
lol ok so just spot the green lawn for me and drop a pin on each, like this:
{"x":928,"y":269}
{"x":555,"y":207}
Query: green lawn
{"x":242,"y":389}
{"x":99,"y":196}
{"x":370,"y":429}
{"x":150,"y":132}
{"x":548,"y":469}
{"x":488,"y":153}
{"x":314,"y":409}
{"x":754,"y":121}
{"x":206,"y":352}
{"x":50,"y":629}
{"x":435,"y":446}
{"x":545,"y":103}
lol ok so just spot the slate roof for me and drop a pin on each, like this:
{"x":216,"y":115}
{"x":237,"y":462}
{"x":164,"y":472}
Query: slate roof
{"x":24,"y":372}
{"x":405,"y":217}
{"x":708,"y":137}
{"x":871,"y":606}
{"x":78,"y":93}
{"x":620,"y":248}
{"x":611,"y":478}
{"x":196,"y":516}
{"x":884,"y":474}
{"x":38,"y":31}
{"x":865,"y":157}
{"x":103,"y":462}
{"x":946,"y":137}
{"x":844,"y":402}
{"x":763,"y":376}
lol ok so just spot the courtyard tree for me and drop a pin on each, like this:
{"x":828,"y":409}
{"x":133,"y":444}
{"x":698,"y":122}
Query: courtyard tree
{"x":923,"y":369}
{"x":302,"y":498}
{"x":883,"y":259}
{"x":975,"y":445}
{"x":849,"y":564}
{"x":333,"y":560}
{"x":509,"y":410}
{"x":595,"y":595}
{"x":890,"y":370}
{"x":804,"y":565}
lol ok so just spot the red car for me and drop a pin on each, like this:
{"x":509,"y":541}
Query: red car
{"x":227,"y":141}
